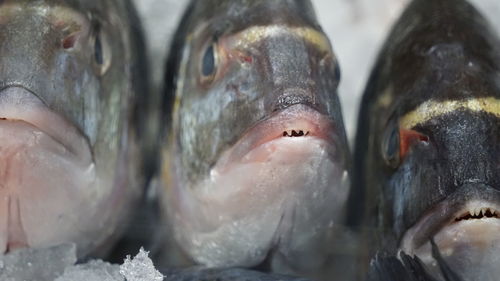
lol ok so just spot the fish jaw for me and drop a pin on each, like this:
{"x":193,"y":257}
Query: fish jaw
{"x":280,"y":189}
{"x":46,"y":174}
{"x":467,"y":239}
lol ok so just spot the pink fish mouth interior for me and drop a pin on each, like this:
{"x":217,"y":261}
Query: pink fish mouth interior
{"x":36,"y":143}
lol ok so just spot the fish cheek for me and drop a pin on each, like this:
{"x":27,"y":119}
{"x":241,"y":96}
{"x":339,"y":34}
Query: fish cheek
{"x":72,"y":77}
{"x":212,"y":120}
{"x":414,"y":187}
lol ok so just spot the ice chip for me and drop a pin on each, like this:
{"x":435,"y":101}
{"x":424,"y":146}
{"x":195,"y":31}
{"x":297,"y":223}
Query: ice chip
{"x":95,"y":270}
{"x":37,"y":264}
{"x":140,"y":268}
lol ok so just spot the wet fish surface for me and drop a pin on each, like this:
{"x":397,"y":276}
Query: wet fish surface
{"x":225,"y":274}
{"x":256,"y":165}
{"x":404,"y":267}
{"x":71,"y":88}
{"x":427,"y":149}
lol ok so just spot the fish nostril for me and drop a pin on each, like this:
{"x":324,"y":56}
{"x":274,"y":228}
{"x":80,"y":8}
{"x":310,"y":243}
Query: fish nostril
{"x":70,"y":41}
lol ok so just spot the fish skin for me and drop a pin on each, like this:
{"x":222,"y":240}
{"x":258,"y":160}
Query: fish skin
{"x":275,"y":63}
{"x":435,"y":76}
{"x":225,"y":274}
{"x":88,"y":100}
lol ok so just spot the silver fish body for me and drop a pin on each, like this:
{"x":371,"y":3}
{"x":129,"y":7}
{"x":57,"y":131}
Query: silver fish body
{"x":256,"y":164}
{"x":70,"y":86}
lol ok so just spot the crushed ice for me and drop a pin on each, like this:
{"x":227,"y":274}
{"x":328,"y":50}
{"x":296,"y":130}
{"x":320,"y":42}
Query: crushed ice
{"x":58,"y":263}
{"x":140,"y":268}
{"x":37,"y":265}
{"x":94,"y":270}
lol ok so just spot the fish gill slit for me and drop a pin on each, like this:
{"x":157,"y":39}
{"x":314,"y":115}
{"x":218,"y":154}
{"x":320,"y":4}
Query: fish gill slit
{"x":295,"y":133}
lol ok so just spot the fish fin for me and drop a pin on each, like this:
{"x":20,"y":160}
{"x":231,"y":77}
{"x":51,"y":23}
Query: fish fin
{"x":392,"y":268}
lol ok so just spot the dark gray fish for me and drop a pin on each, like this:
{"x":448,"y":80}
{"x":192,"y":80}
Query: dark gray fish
{"x":405,"y":268}
{"x":256,"y":165}
{"x":225,"y":274}
{"x":428,"y":143}
{"x":71,"y":88}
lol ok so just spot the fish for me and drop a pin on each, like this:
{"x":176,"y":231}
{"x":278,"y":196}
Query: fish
{"x":427,"y":148}
{"x":256,"y":162}
{"x":225,"y":274}
{"x":72,"y":83}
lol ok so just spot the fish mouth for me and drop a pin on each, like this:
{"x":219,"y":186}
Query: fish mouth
{"x":478,"y":212}
{"x":18,"y":104}
{"x":294,"y":124}
{"x":43,"y":157}
{"x":464,"y":221}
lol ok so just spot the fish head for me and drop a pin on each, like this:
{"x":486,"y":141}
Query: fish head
{"x":51,"y":45}
{"x":64,"y":100}
{"x":449,"y":187}
{"x":258,"y":138}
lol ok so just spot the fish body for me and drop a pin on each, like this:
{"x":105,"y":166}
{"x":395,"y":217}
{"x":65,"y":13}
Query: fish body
{"x":70,"y":86}
{"x":256,"y":162}
{"x":427,"y":149}
{"x":226,"y":274}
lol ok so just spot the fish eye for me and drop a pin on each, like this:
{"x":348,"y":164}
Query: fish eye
{"x":101,"y":51}
{"x":390,"y":146}
{"x":208,"y":66}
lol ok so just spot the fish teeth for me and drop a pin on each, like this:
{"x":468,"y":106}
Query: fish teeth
{"x":295,"y":133}
{"x":482,"y":211}
{"x":479,"y":213}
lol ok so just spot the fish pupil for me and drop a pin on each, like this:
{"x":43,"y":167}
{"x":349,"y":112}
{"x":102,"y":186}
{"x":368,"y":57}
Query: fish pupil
{"x":98,"y":51}
{"x":208,"y":64}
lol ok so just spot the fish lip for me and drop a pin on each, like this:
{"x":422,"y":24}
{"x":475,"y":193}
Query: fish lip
{"x":446,"y":213}
{"x":38,"y":114}
{"x":280,"y":124}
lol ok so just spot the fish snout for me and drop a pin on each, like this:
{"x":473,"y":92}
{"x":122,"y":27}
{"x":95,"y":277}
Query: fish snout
{"x":294,"y":96}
